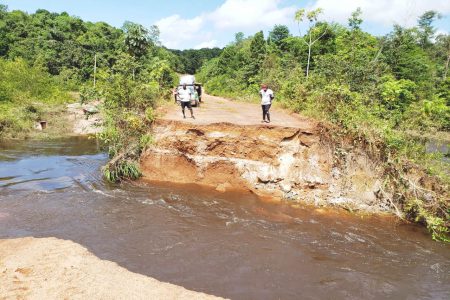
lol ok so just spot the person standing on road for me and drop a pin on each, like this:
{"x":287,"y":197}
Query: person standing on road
{"x":266,"y":102}
{"x":185,"y":98}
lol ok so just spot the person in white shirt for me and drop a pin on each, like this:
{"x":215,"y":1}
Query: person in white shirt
{"x":185,"y":98}
{"x":266,"y":102}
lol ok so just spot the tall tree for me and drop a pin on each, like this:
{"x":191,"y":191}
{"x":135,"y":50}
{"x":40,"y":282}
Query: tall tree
{"x":355,"y":20}
{"x":313,"y":30}
{"x":239,"y":38}
{"x":3,"y":9}
{"x":405,"y":57}
{"x":257,"y":54}
{"x":137,"y":39}
{"x":443,"y":50}
{"x":278,"y":34}
{"x":3,"y":29}
{"x":154,"y":34}
{"x":426,"y":28}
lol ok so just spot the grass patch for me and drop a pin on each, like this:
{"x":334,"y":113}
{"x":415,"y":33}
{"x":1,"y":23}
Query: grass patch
{"x":28,"y":95}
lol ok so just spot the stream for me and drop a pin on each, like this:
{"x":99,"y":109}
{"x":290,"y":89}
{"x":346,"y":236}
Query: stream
{"x":233,"y":245}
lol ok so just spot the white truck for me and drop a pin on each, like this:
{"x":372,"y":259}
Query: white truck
{"x":196,"y":89}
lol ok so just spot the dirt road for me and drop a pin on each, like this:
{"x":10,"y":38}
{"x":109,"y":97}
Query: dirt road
{"x":220,"y":110}
{"x":57,"y":269}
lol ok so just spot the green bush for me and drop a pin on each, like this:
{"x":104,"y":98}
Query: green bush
{"x":438,"y":112}
{"x":126,"y":169}
{"x":26,"y":95}
{"x":417,"y":210}
{"x":89,"y":93}
{"x":397,"y":94}
{"x":131,"y":92}
{"x":150,"y":114}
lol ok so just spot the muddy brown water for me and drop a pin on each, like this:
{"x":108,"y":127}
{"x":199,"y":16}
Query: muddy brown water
{"x":232,"y":245}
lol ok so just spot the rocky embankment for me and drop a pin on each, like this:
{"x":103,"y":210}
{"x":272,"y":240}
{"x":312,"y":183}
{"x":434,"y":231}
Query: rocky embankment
{"x":298,"y":164}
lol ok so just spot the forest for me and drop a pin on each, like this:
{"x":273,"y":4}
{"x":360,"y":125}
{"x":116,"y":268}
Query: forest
{"x":385,"y":92}
{"x":57,"y":53}
{"x":191,"y":60}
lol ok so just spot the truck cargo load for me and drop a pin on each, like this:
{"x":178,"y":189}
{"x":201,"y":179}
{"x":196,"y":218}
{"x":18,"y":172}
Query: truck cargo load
{"x":187,"y":79}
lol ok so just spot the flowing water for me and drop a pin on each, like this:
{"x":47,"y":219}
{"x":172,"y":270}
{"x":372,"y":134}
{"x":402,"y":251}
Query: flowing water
{"x":232,"y":245}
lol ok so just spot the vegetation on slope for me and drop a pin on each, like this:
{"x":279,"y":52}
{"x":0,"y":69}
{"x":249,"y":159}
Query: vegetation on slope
{"x":375,"y":89}
{"x":43,"y":55}
{"x":27,"y":95}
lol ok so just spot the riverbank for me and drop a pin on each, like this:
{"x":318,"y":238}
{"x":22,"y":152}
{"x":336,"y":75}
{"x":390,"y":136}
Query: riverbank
{"x":230,"y":244}
{"x":289,"y":163}
{"x":293,"y":158}
{"x":51,"y":268}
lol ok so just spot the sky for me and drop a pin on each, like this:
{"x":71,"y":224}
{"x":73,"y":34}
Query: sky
{"x":213,"y":23}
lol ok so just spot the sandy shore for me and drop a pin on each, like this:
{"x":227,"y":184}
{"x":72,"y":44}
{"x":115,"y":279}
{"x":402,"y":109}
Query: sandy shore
{"x":50,"y":268}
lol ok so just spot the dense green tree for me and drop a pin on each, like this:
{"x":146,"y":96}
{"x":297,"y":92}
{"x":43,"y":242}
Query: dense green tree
{"x":426,"y":28}
{"x":405,"y":56}
{"x":59,"y":42}
{"x":355,"y":20}
{"x":278,"y":34}
{"x":442,"y":53}
{"x":190,"y":61}
{"x":239,"y":38}
{"x":137,"y":39}
{"x":257,"y":55}
{"x":354,"y":61}
{"x":3,"y":30}
{"x":228,"y":61}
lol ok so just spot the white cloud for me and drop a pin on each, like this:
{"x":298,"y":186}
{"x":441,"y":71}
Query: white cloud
{"x":238,"y":15}
{"x":210,"y":29}
{"x":176,"y":31}
{"x":383,"y":12}
{"x":207,"y":44}
{"x":245,"y":14}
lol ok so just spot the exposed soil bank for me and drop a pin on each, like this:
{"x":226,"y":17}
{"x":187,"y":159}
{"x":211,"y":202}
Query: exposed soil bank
{"x":56,"y":269}
{"x":285,"y":162}
{"x":228,"y":244}
{"x":295,"y":158}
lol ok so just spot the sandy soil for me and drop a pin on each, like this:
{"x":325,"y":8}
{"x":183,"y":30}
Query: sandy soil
{"x":219,"y":110}
{"x":297,"y":164}
{"x":57,"y":269}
